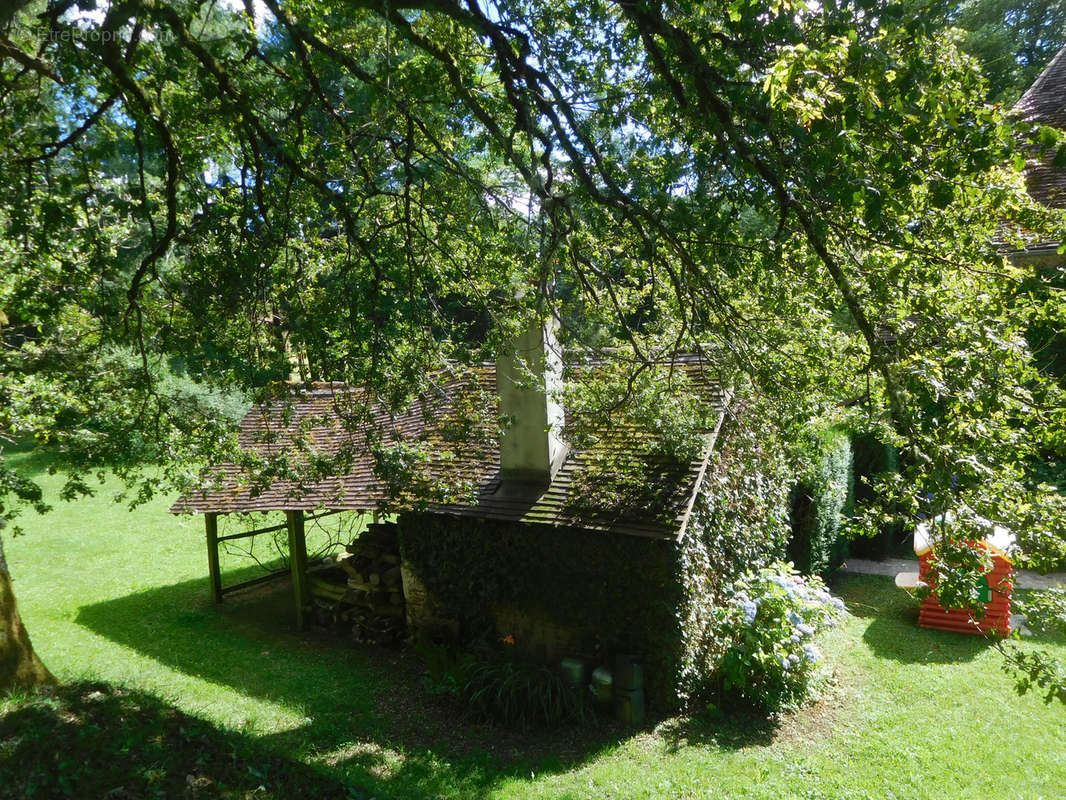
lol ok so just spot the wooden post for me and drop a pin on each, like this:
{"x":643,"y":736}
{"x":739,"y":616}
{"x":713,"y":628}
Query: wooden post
{"x":298,"y":564}
{"x":211,"y":523}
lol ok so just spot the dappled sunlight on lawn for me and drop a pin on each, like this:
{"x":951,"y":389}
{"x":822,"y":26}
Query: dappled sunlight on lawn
{"x":119,"y":597}
{"x":97,"y":740}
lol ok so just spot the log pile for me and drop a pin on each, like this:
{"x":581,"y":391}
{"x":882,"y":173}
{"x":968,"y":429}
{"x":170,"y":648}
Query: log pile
{"x":365,"y":594}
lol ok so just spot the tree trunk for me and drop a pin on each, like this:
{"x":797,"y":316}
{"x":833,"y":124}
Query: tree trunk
{"x":20,"y":668}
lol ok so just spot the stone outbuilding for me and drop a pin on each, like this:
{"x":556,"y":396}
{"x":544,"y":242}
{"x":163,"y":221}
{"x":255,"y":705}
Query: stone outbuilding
{"x":527,"y":553}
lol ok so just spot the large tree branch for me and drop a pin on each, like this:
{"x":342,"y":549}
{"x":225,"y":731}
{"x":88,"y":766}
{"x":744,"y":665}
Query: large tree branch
{"x":651,"y":23}
{"x":32,"y":63}
{"x":118,"y":65}
{"x":55,"y":148}
{"x":532,"y":96}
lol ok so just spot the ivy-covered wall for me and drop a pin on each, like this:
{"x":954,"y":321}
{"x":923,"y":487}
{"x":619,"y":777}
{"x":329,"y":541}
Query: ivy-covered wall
{"x":739,"y":524}
{"x":612,"y":593}
{"x":609,"y":593}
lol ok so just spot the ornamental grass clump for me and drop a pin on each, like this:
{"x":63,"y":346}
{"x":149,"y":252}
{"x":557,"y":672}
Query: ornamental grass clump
{"x":500,"y":685}
{"x":770,"y":657}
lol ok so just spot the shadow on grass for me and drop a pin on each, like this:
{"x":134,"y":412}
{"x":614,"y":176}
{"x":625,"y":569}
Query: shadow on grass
{"x":370,"y":720}
{"x":368,"y":714}
{"x":893,"y":630}
{"x":734,"y":731}
{"x":31,"y":462}
{"x":94,"y":740}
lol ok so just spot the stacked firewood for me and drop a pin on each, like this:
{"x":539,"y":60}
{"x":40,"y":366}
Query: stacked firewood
{"x":367,"y":594}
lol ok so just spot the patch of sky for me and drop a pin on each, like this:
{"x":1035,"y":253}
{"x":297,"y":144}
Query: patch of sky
{"x":262,"y":18}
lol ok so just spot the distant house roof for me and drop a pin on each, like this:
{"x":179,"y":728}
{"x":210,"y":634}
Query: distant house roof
{"x":1045,"y":103}
{"x":333,"y":419}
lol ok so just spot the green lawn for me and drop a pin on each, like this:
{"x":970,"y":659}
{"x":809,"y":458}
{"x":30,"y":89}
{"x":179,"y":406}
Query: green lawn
{"x":122,"y":598}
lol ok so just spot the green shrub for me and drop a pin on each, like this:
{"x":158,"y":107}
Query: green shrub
{"x":521,"y":693}
{"x":820,"y":501}
{"x":1046,"y":337}
{"x":444,"y":666}
{"x":502,"y":687}
{"x":769,"y":657}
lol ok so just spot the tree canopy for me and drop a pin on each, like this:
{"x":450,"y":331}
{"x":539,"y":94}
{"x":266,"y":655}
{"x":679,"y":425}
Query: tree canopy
{"x":1013,"y":40}
{"x":813,"y":194}
{"x":817,"y":196}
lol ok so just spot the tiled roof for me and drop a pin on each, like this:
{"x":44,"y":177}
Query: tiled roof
{"x":336,"y":422}
{"x":1046,"y":183}
{"x":1045,"y":103}
{"x":1045,"y":100}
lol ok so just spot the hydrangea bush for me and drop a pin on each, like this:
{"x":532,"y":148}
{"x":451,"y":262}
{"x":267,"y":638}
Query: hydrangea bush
{"x":770,"y":658}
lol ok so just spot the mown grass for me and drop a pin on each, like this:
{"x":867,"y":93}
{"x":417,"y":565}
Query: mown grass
{"x":122,"y":598}
{"x":99,"y":740}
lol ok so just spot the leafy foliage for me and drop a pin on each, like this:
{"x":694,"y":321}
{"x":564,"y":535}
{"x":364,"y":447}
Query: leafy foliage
{"x":819,"y":502}
{"x":738,"y":525}
{"x":769,"y":657}
{"x":1038,"y":671}
{"x":640,"y":435}
{"x":1040,"y":533}
{"x":12,"y":484}
{"x":956,"y":565}
{"x":1044,"y":610}
{"x":496,"y":685}
{"x":208,"y":167}
{"x":1013,"y":40}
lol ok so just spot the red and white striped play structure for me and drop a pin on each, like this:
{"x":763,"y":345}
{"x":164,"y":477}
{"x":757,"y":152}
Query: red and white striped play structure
{"x":994,"y":589}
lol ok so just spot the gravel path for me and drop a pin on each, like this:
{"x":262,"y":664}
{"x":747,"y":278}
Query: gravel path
{"x":1025,"y":578}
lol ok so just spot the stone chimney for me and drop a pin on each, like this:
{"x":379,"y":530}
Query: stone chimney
{"x":528,"y":379}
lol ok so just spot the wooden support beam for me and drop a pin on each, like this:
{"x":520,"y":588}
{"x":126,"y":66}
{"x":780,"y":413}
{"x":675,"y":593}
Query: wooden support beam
{"x":272,"y":528}
{"x":211,"y":524}
{"x":270,"y":576}
{"x":298,"y":563}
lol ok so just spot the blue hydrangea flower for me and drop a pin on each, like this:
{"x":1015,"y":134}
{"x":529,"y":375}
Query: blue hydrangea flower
{"x":750,"y":609}
{"x":805,"y":629}
{"x":795,"y":618}
{"x":810,"y":652}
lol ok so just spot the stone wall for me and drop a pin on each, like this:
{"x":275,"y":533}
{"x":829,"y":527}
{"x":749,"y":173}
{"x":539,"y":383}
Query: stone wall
{"x":553,"y":591}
